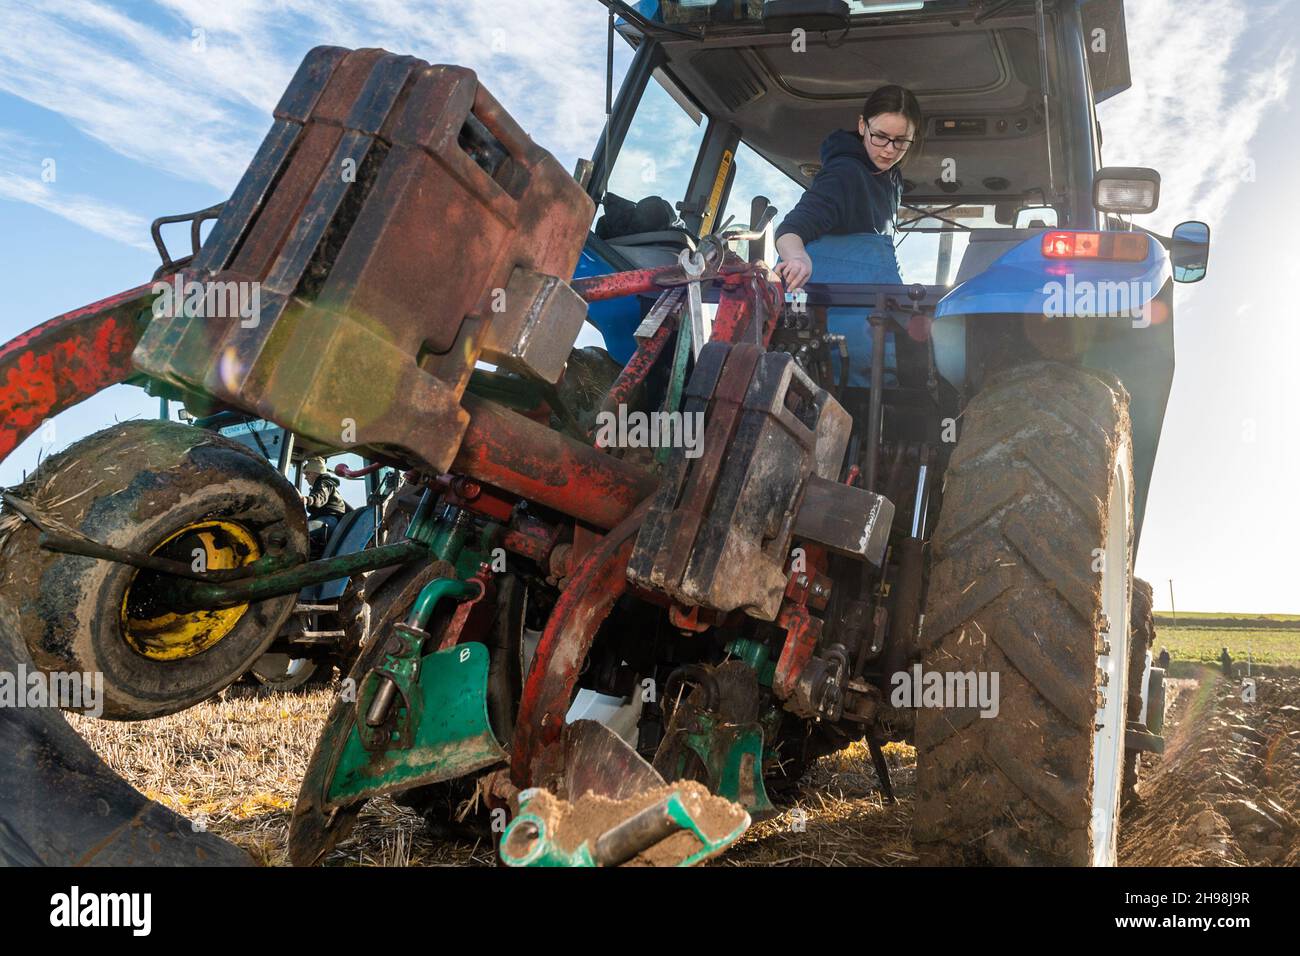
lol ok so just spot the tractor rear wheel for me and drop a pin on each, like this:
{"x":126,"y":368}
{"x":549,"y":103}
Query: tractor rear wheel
{"x":159,"y":488}
{"x":1031,"y":582}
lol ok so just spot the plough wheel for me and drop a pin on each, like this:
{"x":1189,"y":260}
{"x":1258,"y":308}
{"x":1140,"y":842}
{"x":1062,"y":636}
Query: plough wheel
{"x":162,"y":488}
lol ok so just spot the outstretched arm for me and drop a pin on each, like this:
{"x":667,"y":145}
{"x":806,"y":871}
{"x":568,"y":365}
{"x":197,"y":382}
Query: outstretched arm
{"x":816,"y":214}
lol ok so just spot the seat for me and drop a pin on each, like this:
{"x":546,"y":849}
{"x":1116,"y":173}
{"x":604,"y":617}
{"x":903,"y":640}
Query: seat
{"x":650,"y":250}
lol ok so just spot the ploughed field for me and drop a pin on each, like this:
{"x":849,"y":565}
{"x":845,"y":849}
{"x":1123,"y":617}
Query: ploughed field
{"x":1225,"y":792}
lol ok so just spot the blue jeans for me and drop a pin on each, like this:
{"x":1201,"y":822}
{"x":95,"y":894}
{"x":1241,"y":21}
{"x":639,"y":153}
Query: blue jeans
{"x":319,"y":530}
{"x":861,"y":257}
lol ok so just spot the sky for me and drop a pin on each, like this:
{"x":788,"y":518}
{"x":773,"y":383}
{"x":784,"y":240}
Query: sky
{"x":112,"y":114}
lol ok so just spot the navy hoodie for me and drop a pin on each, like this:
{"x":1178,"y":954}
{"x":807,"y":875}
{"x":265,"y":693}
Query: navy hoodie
{"x":849,"y":195}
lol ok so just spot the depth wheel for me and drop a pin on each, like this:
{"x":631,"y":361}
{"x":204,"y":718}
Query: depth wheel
{"x":165,"y":489}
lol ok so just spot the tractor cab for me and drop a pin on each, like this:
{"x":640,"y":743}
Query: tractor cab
{"x":725,"y":106}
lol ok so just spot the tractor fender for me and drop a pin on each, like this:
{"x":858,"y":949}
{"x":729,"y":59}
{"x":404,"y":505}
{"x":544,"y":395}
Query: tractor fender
{"x":1025,"y":282}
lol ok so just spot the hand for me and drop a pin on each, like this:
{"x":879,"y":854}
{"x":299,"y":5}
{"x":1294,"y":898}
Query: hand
{"x":794,"y":272}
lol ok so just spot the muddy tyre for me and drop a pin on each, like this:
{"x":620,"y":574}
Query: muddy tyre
{"x":1156,"y":701}
{"x":1032,"y":563}
{"x":165,"y":489}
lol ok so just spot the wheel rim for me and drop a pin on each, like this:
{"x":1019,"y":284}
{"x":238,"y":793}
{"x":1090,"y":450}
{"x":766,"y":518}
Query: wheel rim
{"x":1108,"y":738}
{"x":151,"y":627}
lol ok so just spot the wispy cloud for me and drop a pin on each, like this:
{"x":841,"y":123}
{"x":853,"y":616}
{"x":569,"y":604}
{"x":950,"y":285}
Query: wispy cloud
{"x":1206,"y":74}
{"x":24,"y":178}
{"x":189,"y":85}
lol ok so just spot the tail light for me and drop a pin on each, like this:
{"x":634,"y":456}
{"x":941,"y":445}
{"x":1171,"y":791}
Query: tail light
{"x":1118,"y":246}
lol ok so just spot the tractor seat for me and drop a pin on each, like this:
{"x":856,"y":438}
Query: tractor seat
{"x":646,"y":233}
{"x":649,"y":250}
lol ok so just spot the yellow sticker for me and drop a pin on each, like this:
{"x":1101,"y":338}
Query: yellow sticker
{"x":715,"y":197}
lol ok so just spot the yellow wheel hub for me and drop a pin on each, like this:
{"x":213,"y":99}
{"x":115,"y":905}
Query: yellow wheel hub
{"x":161,"y":634}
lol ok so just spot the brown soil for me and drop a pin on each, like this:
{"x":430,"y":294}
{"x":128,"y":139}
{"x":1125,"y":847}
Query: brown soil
{"x":838,"y":816}
{"x":584,"y":820}
{"x":1226,"y":792}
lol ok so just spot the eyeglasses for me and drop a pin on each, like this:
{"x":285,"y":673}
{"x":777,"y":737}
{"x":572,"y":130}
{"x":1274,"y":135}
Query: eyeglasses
{"x":880,"y":140}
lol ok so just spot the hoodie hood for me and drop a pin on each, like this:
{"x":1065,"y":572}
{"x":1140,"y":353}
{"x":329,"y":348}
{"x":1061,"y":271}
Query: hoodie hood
{"x":849,"y":194}
{"x":844,"y":143}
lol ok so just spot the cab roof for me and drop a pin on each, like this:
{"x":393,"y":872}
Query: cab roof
{"x":973,"y":64}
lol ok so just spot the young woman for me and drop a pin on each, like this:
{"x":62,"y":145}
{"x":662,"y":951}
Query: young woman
{"x":840,"y":230}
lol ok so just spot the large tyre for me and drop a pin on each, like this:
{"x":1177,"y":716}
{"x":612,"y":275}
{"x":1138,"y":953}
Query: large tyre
{"x":166,"y":489}
{"x":1030,"y":581}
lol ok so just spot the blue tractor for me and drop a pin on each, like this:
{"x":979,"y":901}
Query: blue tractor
{"x":1024,"y":372}
{"x":752,"y":529}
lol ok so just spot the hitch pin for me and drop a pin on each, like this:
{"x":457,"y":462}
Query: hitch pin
{"x":382,"y":701}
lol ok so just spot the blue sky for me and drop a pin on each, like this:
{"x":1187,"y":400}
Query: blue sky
{"x":151,"y":108}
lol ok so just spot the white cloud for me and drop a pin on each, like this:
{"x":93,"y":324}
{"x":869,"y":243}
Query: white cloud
{"x":1204,"y":78}
{"x":137,"y":83}
{"x":97,"y":216}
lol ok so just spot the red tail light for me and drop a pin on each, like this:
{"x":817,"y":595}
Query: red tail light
{"x":1121,"y":246}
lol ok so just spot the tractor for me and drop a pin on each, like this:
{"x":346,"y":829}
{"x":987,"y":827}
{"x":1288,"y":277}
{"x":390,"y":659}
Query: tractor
{"x":668,"y":573}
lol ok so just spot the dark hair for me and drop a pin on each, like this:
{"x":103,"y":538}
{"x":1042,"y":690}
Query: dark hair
{"x":898,"y":99}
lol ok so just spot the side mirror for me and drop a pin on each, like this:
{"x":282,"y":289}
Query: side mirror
{"x":1128,"y":190}
{"x":1189,"y":248}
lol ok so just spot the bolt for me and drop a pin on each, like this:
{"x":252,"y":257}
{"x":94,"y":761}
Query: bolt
{"x":801,"y":580}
